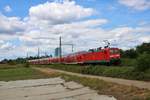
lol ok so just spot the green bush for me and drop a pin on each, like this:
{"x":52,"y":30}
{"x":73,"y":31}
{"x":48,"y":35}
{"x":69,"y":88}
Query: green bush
{"x":128,"y":62}
{"x":27,"y":65}
{"x":143,"y":62}
{"x":111,"y":71}
{"x":130,"y":53}
{"x":12,"y":62}
{"x":145,"y":47}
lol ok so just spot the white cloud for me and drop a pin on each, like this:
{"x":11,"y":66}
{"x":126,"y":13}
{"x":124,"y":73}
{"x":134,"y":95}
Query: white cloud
{"x":6,"y":49}
{"x":1,"y":41}
{"x":57,"y":13}
{"x":7,"y":8}
{"x":136,"y":4}
{"x":145,"y":38}
{"x":10,"y":25}
{"x":68,"y":30}
{"x":129,"y":37}
{"x":7,"y":46}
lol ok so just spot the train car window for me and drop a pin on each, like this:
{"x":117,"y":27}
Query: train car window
{"x":95,"y":50}
{"x":111,"y":51}
{"x":117,"y":51}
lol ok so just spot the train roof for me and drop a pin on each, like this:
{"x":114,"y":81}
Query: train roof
{"x":76,"y":53}
{"x":83,"y":52}
{"x":39,"y":59}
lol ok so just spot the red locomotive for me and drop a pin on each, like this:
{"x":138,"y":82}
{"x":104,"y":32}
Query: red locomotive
{"x":93,"y":56}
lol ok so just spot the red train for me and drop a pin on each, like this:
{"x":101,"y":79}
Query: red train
{"x":93,"y":56}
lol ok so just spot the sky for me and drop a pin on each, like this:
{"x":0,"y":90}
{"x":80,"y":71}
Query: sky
{"x":26,"y":25}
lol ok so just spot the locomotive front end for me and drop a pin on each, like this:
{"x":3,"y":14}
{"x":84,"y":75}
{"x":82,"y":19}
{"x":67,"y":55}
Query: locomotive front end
{"x":114,"y":56}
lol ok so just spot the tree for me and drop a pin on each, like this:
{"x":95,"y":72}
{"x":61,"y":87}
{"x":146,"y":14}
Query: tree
{"x":20,"y":60}
{"x":131,"y":53}
{"x":145,"y":47}
{"x":143,"y":62}
{"x":4,"y":61}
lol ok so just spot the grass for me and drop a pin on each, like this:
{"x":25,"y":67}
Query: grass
{"x":110,"y":71}
{"x":18,"y":72}
{"x":8,"y":66}
{"x":121,"y":92}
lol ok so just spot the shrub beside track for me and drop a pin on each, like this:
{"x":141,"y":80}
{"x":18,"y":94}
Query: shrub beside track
{"x":111,"y":71}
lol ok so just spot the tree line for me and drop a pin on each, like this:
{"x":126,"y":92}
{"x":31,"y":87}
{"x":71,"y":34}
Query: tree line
{"x":138,"y":57}
{"x":134,"y":53}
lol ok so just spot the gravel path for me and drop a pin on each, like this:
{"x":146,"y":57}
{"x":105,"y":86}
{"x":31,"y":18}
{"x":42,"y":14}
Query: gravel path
{"x":139,"y":84}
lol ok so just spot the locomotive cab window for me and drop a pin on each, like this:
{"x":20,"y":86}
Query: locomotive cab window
{"x":114,"y":51}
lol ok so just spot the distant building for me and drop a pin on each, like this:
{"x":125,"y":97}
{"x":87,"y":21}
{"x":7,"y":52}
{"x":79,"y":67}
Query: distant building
{"x":57,"y":52}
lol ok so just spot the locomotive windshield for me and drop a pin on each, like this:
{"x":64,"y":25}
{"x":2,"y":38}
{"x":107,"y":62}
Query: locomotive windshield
{"x":114,"y":51}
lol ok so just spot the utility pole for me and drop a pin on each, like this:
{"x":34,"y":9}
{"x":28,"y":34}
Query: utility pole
{"x":27,"y":54}
{"x":72,"y":47}
{"x":38,"y":52}
{"x":45,"y":54}
{"x":60,"y":48}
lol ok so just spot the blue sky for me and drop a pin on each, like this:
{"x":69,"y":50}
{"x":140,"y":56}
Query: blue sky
{"x":117,"y":13}
{"x":21,"y":21}
{"x":20,"y":7}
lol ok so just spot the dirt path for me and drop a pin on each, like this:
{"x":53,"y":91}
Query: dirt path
{"x":139,"y":84}
{"x":48,"y":89}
